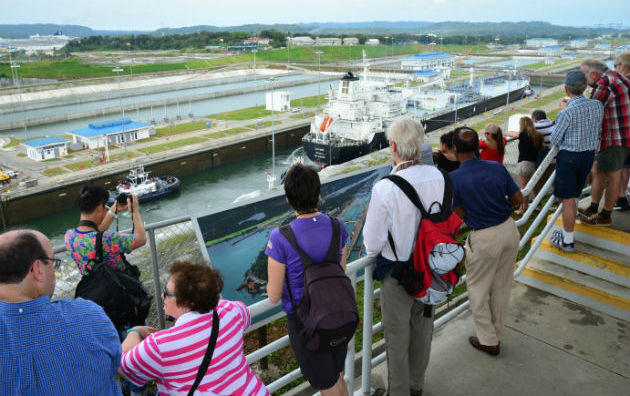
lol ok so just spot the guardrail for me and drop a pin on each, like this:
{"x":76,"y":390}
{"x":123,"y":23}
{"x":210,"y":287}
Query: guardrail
{"x":179,"y":229}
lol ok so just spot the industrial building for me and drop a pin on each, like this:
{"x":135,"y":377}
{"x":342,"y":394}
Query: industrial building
{"x":350,"y":41}
{"x":602,"y":46}
{"x":301,"y":41}
{"x":328,"y":41}
{"x":551,"y":50}
{"x":372,"y":42}
{"x":103,"y":134}
{"x":280,"y":101}
{"x":540,"y":42}
{"x":428,"y":61}
{"x":579,"y":43}
{"x":46,"y":148}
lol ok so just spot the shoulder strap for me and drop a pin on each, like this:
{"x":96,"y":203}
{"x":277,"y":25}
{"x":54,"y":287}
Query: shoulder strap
{"x":208,"y":356}
{"x":331,"y":256}
{"x":446,"y":206}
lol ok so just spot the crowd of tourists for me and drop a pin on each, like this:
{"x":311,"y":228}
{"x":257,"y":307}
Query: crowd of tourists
{"x":89,"y":346}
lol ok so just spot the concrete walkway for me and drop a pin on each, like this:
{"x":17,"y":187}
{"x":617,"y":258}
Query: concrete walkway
{"x":550,"y":347}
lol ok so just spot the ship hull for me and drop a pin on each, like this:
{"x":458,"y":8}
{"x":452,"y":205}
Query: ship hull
{"x":331,"y":154}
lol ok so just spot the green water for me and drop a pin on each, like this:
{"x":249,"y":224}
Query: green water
{"x":199,"y":194}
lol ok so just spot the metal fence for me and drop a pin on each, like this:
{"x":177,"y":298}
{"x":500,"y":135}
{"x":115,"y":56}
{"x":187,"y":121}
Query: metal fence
{"x":180,"y":238}
{"x":166,"y":241}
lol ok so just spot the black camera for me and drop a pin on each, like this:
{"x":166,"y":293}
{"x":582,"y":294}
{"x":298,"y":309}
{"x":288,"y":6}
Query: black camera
{"x":122,"y":198}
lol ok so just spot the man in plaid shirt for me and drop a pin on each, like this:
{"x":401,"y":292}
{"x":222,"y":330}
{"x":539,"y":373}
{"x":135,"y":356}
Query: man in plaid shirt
{"x":576,"y":133}
{"x":612,"y":89}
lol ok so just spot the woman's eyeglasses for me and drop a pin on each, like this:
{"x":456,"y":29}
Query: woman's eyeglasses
{"x":166,"y":293}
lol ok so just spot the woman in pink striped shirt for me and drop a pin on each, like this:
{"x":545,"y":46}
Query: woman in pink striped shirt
{"x":172,"y":357}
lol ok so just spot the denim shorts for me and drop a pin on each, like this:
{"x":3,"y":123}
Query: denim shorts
{"x":611,"y":158}
{"x":572,"y":168}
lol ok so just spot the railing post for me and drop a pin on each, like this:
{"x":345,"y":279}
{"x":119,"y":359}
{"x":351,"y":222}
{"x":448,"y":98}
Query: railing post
{"x":368,"y":313}
{"x":349,"y":366}
{"x":156,"y":277}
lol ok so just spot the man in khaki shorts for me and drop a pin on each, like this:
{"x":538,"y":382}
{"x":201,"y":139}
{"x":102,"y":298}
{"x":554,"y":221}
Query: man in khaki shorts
{"x":612,"y":89}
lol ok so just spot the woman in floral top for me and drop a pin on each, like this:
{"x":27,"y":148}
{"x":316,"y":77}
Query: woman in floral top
{"x":81,"y":241}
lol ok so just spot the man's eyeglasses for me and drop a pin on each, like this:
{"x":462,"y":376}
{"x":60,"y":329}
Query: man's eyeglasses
{"x":166,"y":293}
{"x":55,"y":262}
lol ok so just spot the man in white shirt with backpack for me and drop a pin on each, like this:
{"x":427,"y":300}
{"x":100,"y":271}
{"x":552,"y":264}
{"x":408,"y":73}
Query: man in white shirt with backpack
{"x":408,"y":331}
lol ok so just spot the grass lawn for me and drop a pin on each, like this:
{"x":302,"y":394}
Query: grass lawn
{"x":14,"y":142}
{"x":75,"y":166}
{"x":54,"y":171}
{"x":171,"y":145}
{"x":310,"y":101}
{"x":308,"y":114}
{"x":227,"y":132}
{"x":21,"y":155}
{"x":264,"y":124}
{"x":180,"y":128}
{"x":243,"y":114}
{"x":121,"y":156}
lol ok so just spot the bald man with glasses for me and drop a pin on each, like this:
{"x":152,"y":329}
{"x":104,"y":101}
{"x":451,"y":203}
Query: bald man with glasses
{"x":64,"y":347}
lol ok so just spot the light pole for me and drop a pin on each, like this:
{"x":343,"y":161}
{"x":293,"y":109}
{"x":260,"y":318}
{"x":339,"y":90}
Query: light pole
{"x":130,"y":61}
{"x":255,"y":78}
{"x":319,"y":72}
{"x":16,"y":82}
{"x":272,"y":178}
{"x":117,"y":70}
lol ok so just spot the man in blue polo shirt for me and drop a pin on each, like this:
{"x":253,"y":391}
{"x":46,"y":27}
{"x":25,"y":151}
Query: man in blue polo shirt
{"x":49,"y":348}
{"x":484,"y":194}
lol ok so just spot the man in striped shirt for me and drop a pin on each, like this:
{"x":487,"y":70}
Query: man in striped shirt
{"x":65,"y":347}
{"x":577,"y":134}
{"x":612,"y":89}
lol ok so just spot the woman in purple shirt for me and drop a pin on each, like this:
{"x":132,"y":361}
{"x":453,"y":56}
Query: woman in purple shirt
{"x":313,"y":232}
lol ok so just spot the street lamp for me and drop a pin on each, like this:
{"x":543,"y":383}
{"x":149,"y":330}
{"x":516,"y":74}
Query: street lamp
{"x":117,"y":70}
{"x":16,"y":82}
{"x":319,"y":72}
{"x":255,"y":78}
{"x":272,"y":178}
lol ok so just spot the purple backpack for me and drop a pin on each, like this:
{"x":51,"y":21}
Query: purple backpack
{"x":328,"y":310}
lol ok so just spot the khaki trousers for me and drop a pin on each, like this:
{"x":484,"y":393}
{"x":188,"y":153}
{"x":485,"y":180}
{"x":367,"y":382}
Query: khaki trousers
{"x":407,"y":338}
{"x":490,"y":258}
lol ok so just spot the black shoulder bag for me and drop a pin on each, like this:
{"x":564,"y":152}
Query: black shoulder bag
{"x":208,"y":356}
{"x":121,"y":294}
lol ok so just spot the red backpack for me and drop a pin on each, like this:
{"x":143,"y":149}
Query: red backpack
{"x":434,"y":268}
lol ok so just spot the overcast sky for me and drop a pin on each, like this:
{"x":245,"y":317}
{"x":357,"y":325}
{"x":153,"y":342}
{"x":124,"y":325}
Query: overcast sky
{"x":155,"y":14}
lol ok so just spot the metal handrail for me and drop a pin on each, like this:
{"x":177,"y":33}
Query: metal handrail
{"x":353,"y":268}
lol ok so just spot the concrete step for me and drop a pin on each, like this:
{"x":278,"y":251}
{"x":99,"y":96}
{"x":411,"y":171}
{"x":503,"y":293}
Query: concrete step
{"x":604,"y":237}
{"x":577,"y":286}
{"x":593,"y":260}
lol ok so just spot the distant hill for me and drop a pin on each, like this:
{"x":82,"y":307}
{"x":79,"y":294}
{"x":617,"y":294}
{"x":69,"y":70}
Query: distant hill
{"x":533,"y":29}
{"x":43,"y":29}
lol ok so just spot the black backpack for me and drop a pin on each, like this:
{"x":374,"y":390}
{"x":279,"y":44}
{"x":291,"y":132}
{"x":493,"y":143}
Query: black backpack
{"x":121,"y":294}
{"x":328,"y":310}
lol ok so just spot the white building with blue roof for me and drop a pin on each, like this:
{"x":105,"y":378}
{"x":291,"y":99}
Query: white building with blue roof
{"x":551,"y":50}
{"x":602,"y":46}
{"x":46,"y":148}
{"x":579,"y":43}
{"x":622,"y":48}
{"x":106,"y":133}
{"x":439,"y":61}
{"x":540,"y":42}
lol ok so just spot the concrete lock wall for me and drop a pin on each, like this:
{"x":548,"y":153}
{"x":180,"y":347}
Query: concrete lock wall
{"x":28,"y":206}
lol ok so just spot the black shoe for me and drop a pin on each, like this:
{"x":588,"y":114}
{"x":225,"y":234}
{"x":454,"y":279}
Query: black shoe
{"x":622,"y":204}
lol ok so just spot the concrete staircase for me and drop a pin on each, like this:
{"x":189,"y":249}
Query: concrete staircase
{"x":596,"y":275}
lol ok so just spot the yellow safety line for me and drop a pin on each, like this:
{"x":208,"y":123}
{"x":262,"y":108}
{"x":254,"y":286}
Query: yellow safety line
{"x":600,"y":232}
{"x":583,"y":290}
{"x":589,"y":259}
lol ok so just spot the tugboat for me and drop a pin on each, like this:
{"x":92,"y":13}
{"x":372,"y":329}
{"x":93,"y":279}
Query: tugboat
{"x":144,"y":187}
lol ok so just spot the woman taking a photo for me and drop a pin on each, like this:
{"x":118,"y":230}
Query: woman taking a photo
{"x":173,"y":357}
